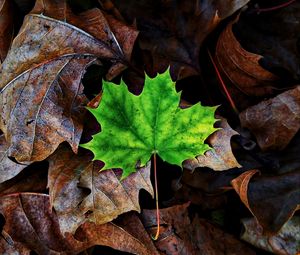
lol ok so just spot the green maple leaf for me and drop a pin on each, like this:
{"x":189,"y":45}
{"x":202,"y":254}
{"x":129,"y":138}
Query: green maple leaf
{"x":135,"y":127}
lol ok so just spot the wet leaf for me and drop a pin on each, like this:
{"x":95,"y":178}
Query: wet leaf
{"x":151,"y":123}
{"x":6,"y":27}
{"x":182,"y":235}
{"x":276,"y":121}
{"x":172,"y":32}
{"x":32,"y":226}
{"x":221,"y":157}
{"x":41,"y":97}
{"x":71,"y":176}
{"x":286,"y":242}
{"x":271,"y":199}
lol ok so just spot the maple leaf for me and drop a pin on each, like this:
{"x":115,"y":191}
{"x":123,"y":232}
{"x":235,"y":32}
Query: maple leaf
{"x":135,"y":127}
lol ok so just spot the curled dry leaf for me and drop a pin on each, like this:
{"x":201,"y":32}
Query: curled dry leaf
{"x":172,"y":32}
{"x":41,"y":95}
{"x":276,"y":121}
{"x":242,"y":67}
{"x":8,"y":168}
{"x":6,"y":27}
{"x":185,"y":236}
{"x":31,"y":225}
{"x":272,"y":200}
{"x":286,"y":242}
{"x":70,"y":176}
{"x":221,"y":157}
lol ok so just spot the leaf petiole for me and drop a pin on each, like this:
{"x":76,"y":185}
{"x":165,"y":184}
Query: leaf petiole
{"x":156,"y":200}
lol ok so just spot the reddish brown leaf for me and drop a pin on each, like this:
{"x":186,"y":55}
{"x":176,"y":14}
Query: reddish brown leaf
{"x":274,"y":122}
{"x":108,"y":198}
{"x":272,"y":200}
{"x":6,"y":27}
{"x":41,"y":92}
{"x":221,"y":157}
{"x":32,"y":226}
{"x":172,"y":31}
{"x":8,"y":168}
{"x":242,"y":67}
{"x":181,"y":235}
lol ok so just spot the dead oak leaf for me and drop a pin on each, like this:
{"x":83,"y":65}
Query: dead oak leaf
{"x":70,"y":176}
{"x":274,"y":122}
{"x":41,"y":95}
{"x":31,"y":225}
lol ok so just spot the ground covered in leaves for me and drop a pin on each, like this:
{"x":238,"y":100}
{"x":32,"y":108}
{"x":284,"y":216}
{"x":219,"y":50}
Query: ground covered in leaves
{"x":241,"y":197}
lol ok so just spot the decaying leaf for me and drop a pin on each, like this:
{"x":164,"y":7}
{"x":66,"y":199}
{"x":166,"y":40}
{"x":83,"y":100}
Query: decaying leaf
{"x":31,"y":225}
{"x":41,"y":96}
{"x":8,"y":168}
{"x":242,"y":67}
{"x":185,"y":236}
{"x":70,"y":177}
{"x":272,"y":200}
{"x":286,"y":242}
{"x":151,"y":123}
{"x":276,"y":121}
{"x":172,"y":32}
{"x":221,"y":157}
{"x":6,"y":27}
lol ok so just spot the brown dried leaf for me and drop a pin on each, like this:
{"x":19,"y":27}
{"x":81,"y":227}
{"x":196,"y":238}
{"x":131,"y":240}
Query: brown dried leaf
{"x":272,"y":200}
{"x":6,"y":27}
{"x":276,"y":121}
{"x":69,"y":178}
{"x":8,"y":168}
{"x":41,"y":97}
{"x":172,"y":32}
{"x":181,"y":235}
{"x":286,"y":242}
{"x":221,"y":157}
{"x":32,"y":226}
{"x":242,"y":67}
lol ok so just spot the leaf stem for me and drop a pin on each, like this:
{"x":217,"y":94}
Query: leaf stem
{"x":274,"y":8}
{"x":156,"y":199}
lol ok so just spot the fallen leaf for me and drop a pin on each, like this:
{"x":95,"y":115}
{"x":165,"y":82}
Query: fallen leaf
{"x":286,"y":242}
{"x":172,"y":32}
{"x":242,"y":67}
{"x":274,"y":122}
{"x":70,"y":177}
{"x":8,"y":168}
{"x":6,"y":27}
{"x":41,"y":97}
{"x":271,"y":199}
{"x":185,"y":236}
{"x":33,"y":226}
{"x":280,"y":50}
{"x":151,"y":123}
{"x":221,"y":157}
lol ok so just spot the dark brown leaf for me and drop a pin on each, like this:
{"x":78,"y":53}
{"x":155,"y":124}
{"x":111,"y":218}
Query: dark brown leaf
{"x":272,"y":200}
{"x":70,"y":176}
{"x":8,"y":168}
{"x":221,"y":157}
{"x":276,"y":121}
{"x":172,"y":31}
{"x":32,"y":226}
{"x":181,"y":235}
{"x":242,"y":67}
{"x":6,"y":27}
{"x":41,"y":97}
